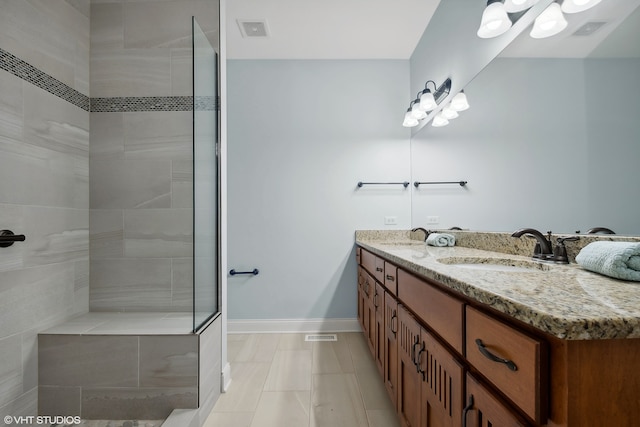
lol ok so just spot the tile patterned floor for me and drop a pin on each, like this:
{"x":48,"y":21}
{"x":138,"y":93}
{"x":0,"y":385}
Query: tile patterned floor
{"x":279,"y":380}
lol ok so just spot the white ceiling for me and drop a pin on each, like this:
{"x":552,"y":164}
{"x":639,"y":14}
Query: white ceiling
{"x":329,"y":29}
{"x":390,"y":29}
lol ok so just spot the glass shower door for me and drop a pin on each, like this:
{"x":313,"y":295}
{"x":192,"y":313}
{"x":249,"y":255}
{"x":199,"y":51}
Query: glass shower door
{"x":206,"y":269}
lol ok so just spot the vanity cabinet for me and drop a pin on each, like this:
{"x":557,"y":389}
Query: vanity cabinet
{"x":416,"y":334}
{"x":449,"y":360}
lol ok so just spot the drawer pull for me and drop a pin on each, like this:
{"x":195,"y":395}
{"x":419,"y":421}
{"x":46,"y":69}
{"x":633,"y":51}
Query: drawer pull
{"x":375,"y":300}
{"x":380,"y":269}
{"x":394,"y":316}
{"x":413,"y":350}
{"x":390,"y":278}
{"x":419,"y":360}
{"x":486,"y":353}
{"x":466,"y":410}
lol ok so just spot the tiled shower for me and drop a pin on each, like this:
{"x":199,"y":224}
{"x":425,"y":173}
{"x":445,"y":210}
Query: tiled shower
{"x":96,"y":171}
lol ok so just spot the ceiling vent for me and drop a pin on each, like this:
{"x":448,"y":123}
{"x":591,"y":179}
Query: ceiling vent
{"x":253,"y":27}
{"x":589,"y":28}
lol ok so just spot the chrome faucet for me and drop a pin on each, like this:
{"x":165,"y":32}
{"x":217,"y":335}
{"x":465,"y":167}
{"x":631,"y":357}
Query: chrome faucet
{"x":543,"y":248}
{"x":426,"y":233}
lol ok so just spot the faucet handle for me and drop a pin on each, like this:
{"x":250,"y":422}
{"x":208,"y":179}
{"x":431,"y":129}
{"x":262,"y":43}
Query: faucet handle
{"x":560,"y":250}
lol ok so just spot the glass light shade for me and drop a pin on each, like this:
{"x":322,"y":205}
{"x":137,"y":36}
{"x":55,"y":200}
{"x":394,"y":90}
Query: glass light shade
{"x":409,"y":120}
{"x":513,"y":6}
{"x":575,"y":6}
{"x":439,"y":120}
{"x":549,"y":23}
{"x":459,"y":102}
{"x":495,"y":21}
{"x":427,"y":101}
{"x":449,"y":113}
{"x":417,"y":112}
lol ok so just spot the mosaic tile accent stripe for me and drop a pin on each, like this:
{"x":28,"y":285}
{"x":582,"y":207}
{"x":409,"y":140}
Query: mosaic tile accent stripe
{"x":31,"y":74}
{"x":141,"y":103}
{"x":152,"y":103}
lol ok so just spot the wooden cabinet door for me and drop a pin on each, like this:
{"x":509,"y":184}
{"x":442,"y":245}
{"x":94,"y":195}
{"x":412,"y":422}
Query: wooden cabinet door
{"x":391,"y":347}
{"x":378,"y":344}
{"x":442,"y":384}
{"x":409,"y":381}
{"x":485,"y":410}
{"x":361,"y":297}
{"x":370,"y":313}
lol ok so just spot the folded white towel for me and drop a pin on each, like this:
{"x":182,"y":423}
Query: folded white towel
{"x":615,"y":259}
{"x":441,"y":239}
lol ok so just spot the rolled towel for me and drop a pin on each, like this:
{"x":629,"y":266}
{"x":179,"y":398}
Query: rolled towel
{"x":441,"y":239}
{"x":614,"y":259}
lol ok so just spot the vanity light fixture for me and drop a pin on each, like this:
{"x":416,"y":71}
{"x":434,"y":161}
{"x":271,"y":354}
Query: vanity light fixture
{"x":426,"y":100}
{"x":549,"y":23}
{"x":439,"y":120}
{"x":495,"y":20}
{"x":409,"y":120}
{"x":513,"y":6}
{"x":459,"y":102}
{"x":575,"y":6}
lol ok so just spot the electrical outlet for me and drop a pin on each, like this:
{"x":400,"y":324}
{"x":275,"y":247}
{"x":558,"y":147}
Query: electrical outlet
{"x":433,"y":220}
{"x":390,"y":220}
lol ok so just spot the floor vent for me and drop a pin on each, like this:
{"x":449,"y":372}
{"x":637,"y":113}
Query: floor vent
{"x":321,"y":337}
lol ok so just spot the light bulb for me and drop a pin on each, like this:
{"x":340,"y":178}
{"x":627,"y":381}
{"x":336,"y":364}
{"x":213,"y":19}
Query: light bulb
{"x":439,"y":120}
{"x":459,"y":102}
{"x":495,"y":21}
{"x":513,"y":6}
{"x":575,"y":6}
{"x":427,"y":101}
{"x":549,"y":23}
{"x":409,"y":120}
{"x":417,"y":112}
{"x":449,"y":113}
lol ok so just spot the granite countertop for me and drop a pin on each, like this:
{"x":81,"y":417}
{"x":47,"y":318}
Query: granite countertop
{"x":565,"y":301}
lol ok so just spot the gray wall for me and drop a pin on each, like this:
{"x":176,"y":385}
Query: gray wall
{"x":301,"y":135}
{"x":44,"y":185}
{"x":613,"y":108}
{"x":141,"y":160}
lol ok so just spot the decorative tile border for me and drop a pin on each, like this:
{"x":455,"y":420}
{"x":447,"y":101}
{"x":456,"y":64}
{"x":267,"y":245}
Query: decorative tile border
{"x":31,"y":74}
{"x":142,"y":103}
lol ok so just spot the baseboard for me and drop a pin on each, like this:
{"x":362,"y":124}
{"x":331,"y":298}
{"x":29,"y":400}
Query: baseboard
{"x":265,"y":326}
{"x":226,"y":378}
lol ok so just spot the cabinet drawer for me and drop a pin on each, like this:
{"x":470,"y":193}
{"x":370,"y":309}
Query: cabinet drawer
{"x":391,"y":278}
{"x":514,"y":362}
{"x":373,"y":264}
{"x":441,"y":312}
{"x":484,"y":409}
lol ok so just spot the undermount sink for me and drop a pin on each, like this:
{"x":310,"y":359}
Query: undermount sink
{"x":494,"y":264}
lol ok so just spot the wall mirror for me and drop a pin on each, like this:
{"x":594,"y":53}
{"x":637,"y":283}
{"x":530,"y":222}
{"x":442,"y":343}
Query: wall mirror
{"x":552,"y":138}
